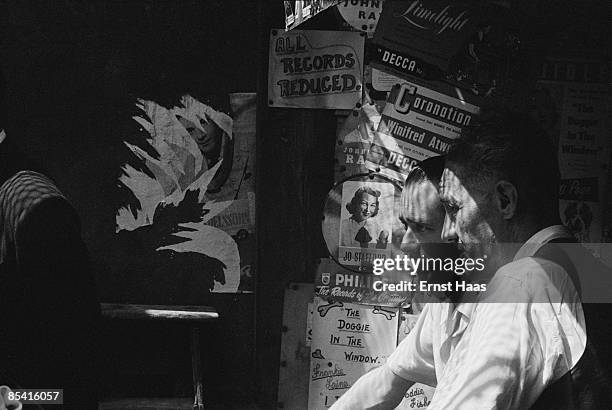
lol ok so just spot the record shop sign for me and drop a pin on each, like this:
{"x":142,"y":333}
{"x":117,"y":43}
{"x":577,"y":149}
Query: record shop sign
{"x":315,"y":69}
{"x":432,"y":31}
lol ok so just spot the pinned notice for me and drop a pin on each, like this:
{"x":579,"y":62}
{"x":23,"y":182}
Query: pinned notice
{"x":315,"y":69}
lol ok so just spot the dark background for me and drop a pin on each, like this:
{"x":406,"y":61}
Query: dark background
{"x":73,"y":71}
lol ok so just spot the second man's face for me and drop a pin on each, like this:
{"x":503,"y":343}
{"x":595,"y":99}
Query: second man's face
{"x":422,"y":215}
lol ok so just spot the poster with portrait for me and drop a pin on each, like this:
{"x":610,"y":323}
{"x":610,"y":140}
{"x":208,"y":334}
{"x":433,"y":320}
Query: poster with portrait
{"x":315,"y":69}
{"x":191,"y":209}
{"x":360,"y":221}
{"x":417,"y":122}
{"x":366,"y":223}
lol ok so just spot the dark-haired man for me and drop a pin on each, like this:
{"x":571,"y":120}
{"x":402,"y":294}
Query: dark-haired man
{"x":527,"y":331}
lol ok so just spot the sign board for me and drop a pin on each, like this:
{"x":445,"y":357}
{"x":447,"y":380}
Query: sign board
{"x":417,"y":122}
{"x":348,"y":340}
{"x":315,"y":69}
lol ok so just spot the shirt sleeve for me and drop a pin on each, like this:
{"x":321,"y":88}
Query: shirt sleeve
{"x":413,"y":360}
{"x":512,"y":351}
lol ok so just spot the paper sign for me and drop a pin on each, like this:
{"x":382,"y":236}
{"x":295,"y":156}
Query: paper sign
{"x":315,"y":69}
{"x":417,"y":122}
{"x":353,"y":333}
{"x":348,"y":341}
{"x":329,"y":379}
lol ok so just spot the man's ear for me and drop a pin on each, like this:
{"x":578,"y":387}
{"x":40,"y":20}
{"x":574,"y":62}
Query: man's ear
{"x":506,"y":198}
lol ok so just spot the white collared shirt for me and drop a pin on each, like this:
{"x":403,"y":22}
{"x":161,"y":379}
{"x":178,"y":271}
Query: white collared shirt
{"x":498,"y":355}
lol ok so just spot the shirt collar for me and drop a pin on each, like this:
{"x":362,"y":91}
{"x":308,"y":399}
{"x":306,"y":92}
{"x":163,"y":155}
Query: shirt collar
{"x":540,"y":238}
{"x":466,"y":309}
{"x":458,"y":319}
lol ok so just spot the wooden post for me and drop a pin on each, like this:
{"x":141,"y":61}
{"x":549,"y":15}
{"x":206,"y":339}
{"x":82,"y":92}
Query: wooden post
{"x":196,"y":367}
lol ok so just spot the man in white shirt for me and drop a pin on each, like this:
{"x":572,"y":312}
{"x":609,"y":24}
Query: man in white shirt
{"x":491,"y":355}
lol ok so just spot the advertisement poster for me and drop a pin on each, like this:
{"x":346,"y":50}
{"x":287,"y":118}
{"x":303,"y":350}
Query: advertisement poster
{"x":361,"y":15}
{"x":416,"y":33}
{"x":366,"y":221}
{"x":574,"y":101}
{"x":315,"y":69}
{"x":348,"y":340}
{"x":334,"y":283}
{"x":417,"y":123}
{"x":360,"y":222}
{"x":298,"y":11}
{"x":194,"y":164}
{"x":355,"y":135}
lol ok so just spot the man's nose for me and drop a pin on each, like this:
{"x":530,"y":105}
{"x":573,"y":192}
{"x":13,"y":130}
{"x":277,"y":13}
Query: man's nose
{"x":449,"y":233}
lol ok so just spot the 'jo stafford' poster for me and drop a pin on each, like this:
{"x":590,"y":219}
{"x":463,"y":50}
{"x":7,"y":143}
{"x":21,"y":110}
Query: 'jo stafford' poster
{"x":366,"y":224}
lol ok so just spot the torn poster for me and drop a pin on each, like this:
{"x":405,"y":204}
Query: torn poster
{"x":355,"y":135}
{"x":361,"y":14}
{"x":177,"y":182}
